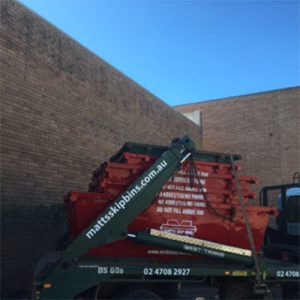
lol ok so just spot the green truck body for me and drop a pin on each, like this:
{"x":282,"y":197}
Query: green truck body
{"x":68,"y":273}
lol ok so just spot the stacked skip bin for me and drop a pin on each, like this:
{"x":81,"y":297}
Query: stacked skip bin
{"x":200,"y":200}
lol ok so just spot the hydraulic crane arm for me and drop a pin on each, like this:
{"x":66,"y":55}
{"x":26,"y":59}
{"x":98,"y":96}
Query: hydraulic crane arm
{"x":112,"y":224}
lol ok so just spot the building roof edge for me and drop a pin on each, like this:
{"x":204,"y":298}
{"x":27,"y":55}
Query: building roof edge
{"x":234,"y":97}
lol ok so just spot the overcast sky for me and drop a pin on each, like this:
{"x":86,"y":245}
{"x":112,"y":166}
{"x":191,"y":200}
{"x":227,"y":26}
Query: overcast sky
{"x":188,"y":51}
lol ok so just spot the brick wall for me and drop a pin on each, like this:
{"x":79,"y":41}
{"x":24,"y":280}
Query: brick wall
{"x":264,"y":128}
{"x":63,"y":112}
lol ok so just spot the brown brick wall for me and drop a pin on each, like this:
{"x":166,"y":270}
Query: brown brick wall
{"x":63,"y":112}
{"x":264,"y":128}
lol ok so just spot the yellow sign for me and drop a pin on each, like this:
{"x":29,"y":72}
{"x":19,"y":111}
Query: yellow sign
{"x":239,"y":273}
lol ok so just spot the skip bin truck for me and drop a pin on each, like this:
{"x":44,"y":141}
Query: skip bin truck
{"x":170,"y":223}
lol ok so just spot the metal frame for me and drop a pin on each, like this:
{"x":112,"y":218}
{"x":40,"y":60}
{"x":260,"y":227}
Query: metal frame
{"x":90,"y":272}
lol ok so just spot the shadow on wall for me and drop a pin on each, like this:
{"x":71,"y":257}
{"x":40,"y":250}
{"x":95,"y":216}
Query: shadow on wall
{"x":27,"y":233}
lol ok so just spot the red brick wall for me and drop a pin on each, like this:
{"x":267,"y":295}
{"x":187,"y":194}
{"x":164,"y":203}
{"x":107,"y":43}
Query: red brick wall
{"x":63,"y":112}
{"x":264,"y":128}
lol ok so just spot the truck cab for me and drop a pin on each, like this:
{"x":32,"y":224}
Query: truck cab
{"x":283,"y":239}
